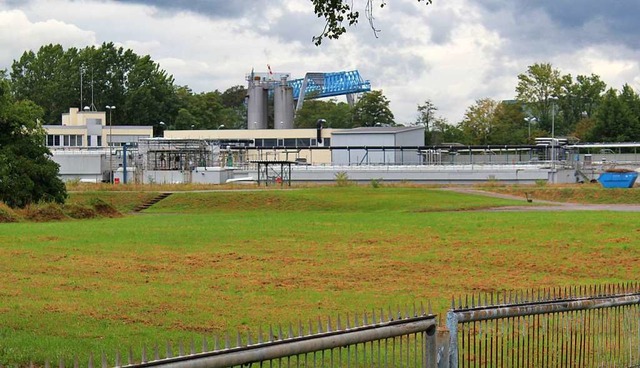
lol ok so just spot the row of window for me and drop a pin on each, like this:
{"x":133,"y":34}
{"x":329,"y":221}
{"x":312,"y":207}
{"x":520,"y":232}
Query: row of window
{"x":289,"y":142}
{"x":66,"y":140}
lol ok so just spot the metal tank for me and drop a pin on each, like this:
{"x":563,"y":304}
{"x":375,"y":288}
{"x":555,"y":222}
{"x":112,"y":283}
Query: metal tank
{"x":283,"y":108}
{"x":257,"y":107}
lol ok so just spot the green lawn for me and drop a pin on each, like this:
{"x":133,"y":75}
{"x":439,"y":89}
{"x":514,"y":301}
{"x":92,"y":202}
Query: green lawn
{"x":208,"y":263}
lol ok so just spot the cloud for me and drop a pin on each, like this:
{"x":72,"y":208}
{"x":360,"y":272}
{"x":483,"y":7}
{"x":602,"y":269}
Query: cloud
{"x":451,"y":52}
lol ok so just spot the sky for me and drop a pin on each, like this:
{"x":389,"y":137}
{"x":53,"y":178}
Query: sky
{"x":452,"y":52}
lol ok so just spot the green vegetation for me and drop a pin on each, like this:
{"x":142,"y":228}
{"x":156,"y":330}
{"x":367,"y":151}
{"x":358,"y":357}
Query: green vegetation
{"x":207,"y":263}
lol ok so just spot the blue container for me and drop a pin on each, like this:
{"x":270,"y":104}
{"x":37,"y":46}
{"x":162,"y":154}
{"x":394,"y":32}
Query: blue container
{"x":618,"y":179}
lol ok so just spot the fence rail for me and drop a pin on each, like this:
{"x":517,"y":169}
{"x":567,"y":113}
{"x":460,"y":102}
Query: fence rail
{"x":596,"y":326}
{"x":576,"y":327}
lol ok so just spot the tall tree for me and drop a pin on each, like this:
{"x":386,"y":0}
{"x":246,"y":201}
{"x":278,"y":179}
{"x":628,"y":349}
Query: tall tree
{"x":337,"y":114}
{"x":338,"y":12}
{"x":479,"y":121}
{"x":27,"y":173}
{"x":426,"y":117}
{"x":443,"y":132}
{"x":142,"y":93}
{"x":617,"y":118}
{"x":372,"y":110}
{"x":538,"y":90}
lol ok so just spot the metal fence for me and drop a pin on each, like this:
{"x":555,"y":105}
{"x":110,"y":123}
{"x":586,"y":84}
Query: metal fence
{"x":574,"y":327}
{"x":596,"y":326}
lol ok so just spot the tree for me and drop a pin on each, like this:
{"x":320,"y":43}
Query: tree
{"x":337,"y":114}
{"x":372,"y":110}
{"x":617,"y":117}
{"x":426,"y":117}
{"x":537,"y":89}
{"x":143,"y":93}
{"x":479,"y":121}
{"x":27,"y":173}
{"x":338,"y":12}
{"x":443,"y":132}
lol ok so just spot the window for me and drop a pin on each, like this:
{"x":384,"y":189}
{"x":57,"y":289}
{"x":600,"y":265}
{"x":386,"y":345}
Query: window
{"x":66,"y":140}
{"x":79,"y":141}
{"x":72,"y":140}
{"x":50,"y":140}
{"x":99,"y":143}
{"x":56,"y":140}
{"x":89,"y":140}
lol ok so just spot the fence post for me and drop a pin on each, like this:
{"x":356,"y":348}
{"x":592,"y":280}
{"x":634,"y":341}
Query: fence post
{"x":452,"y":326}
{"x":431,"y":349}
{"x":443,"y":340}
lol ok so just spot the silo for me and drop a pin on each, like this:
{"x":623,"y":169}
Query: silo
{"x":283,"y":108}
{"x":257,"y":107}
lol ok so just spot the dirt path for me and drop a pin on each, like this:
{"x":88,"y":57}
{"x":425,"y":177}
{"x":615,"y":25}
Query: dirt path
{"x":547,"y":205}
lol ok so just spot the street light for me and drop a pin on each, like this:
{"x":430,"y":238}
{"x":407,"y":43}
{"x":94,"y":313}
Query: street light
{"x":529,"y":119}
{"x":220,"y":126}
{"x":553,"y":131}
{"x":110,"y":142}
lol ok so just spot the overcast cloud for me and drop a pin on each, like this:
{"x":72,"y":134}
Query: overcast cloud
{"x":452,"y":52}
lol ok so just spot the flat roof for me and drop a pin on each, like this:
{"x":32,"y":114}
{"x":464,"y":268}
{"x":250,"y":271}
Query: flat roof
{"x":379,"y":130}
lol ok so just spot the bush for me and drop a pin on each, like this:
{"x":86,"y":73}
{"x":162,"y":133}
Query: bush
{"x":7,"y":214}
{"x":78,"y":211}
{"x":103,"y":208}
{"x":376,"y":183}
{"x":44,"y":212}
{"x":342,"y":179}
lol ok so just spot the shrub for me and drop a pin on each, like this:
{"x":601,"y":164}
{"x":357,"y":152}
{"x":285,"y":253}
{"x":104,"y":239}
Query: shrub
{"x":342,"y":179}
{"x":78,"y":211}
{"x":541,"y":183}
{"x":103,"y":208}
{"x":376,"y":183}
{"x":44,"y":212}
{"x":7,"y":214}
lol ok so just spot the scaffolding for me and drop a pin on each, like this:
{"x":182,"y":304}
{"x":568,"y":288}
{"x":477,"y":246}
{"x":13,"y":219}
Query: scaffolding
{"x":178,"y":154}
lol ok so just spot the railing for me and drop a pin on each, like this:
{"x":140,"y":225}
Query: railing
{"x":576,"y":327}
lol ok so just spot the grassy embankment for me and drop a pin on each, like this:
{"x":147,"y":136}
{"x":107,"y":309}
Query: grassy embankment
{"x":206,"y":263}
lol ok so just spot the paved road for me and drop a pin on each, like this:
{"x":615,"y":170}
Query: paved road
{"x":548,"y":205}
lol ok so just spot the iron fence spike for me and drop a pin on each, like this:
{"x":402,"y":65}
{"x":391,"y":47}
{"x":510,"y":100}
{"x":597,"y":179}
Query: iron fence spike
{"x":90,"y":363}
{"x":118,"y":364}
{"x":76,"y":363}
{"x":459,"y":301}
{"x":130,"y":357}
{"x":390,"y":315}
{"x":365,"y":320}
{"x":399,"y":310}
{"x":216,"y":344}
{"x":249,"y":340}
{"x":156,"y":353}
{"x":290,"y":330}
{"x":259,"y":334}
{"x":238,"y":340}
{"x":320,"y":326}
{"x":422,"y":310}
{"x":382,"y":315}
{"x":300,"y":328}
{"x":466,"y":301}
{"x":271,"y":335}
{"x":429,"y":308}
{"x":226,"y":340}
{"x":373,"y":316}
{"x":193,"y":346}
{"x":453,"y":302}
{"x":406,"y":311}
{"x":339,"y":322}
{"x":310,"y":327}
{"x":329,"y":324}
{"x":103,"y":362}
{"x":473,"y":301}
{"x":180,"y":348}
{"x":491,"y":295}
{"x":415,"y":311}
{"x":205,"y":344}
{"x":355,"y":320}
{"x":169,"y":352}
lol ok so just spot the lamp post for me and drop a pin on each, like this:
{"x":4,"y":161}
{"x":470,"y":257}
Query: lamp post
{"x":553,"y":132}
{"x":220,"y":126}
{"x":110,"y":142}
{"x":529,"y":120}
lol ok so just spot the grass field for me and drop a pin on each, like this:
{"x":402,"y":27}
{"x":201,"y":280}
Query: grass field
{"x":207,"y":263}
